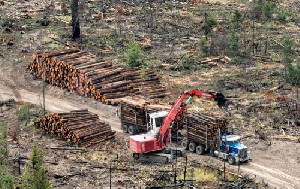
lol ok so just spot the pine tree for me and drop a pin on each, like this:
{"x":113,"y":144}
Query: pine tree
{"x":237,"y":18}
{"x":35,"y":176}
{"x":7,"y":181}
{"x":3,"y":145}
{"x":288,"y":55}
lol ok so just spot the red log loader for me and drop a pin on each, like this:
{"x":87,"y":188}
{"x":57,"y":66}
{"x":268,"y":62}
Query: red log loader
{"x":152,"y":146}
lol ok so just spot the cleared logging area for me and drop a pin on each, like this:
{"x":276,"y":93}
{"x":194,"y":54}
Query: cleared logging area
{"x":89,"y":76}
{"x":80,"y":127}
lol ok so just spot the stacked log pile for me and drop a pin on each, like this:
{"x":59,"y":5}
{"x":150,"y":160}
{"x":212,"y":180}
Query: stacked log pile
{"x":214,"y":61}
{"x":264,"y":58}
{"x":89,"y":76}
{"x":79,"y":127}
{"x":199,"y":124}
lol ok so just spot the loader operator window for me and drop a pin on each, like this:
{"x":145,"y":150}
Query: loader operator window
{"x":159,"y":121}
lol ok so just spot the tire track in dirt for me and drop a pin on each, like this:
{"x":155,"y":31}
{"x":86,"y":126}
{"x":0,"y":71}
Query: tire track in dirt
{"x":54,"y":104}
{"x":273,"y":177}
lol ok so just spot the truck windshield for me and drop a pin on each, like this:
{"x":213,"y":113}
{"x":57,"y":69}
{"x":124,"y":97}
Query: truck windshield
{"x":159,"y":121}
{"x":233,"y":142}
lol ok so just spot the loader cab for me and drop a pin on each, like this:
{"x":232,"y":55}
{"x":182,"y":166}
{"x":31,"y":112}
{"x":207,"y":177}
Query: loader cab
{"x":155,"y":121}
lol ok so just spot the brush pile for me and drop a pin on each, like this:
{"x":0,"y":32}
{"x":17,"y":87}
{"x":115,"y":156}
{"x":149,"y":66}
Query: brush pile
{"x":89,"y":76}
{"x":79,"y":127}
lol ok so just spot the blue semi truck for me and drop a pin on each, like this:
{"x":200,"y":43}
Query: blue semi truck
{"x":232,"y":149}
{"x":227,"y":147}
{"x":203,"y":136}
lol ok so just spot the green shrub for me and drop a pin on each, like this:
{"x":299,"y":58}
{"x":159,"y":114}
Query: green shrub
{"x":143,"y":74}
{"x":269,"y":10}
{"x":3,"y":133}
{"x":294,"y":74}
{"x":35,"y":176}
{"x":288,"y":53}
{"x":237,"y":18}
{"x":7,"y":181}
{"x":236,"y":60}
{"x":24,"y":112}
{"x":3,"y":145}
{"x":234,"y":43}
{"x":258,"y":9}
{"x":203,"y":46}
{"x":210,"y":23}
{"x":134,"y":55}
{"x":281,"y":16}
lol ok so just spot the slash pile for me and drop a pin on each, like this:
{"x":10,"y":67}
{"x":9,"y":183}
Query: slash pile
{"x":80,"y":127}
{"x":89,"y":76}
{"x":199,"y":124}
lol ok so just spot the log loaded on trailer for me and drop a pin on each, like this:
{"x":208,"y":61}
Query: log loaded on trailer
{"x":206,"y":133}
{"x":135,"y":117}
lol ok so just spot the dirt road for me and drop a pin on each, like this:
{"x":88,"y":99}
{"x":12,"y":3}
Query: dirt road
{"x":275,"y":178}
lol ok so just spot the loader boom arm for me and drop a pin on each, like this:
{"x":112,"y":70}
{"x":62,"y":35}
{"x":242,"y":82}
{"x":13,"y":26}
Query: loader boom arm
{"x":179,"y":107}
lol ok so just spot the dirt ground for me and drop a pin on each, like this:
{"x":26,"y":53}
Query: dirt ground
{"x":276,"y":162}
{"x":273,"y":162}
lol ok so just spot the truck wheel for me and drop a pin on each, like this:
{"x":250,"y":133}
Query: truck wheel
{"x":192,"y":147}
{"x":125,"y":128}
{"x":231,"y":160}
{"x":184,"y":144}
{"x":136,"y":156}
{"x":200,"y":150}
{"x":131,"y":130}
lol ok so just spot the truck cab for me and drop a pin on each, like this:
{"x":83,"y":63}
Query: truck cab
{"x":232,"y":149}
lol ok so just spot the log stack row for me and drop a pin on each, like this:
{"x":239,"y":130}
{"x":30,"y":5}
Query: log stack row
{"x":201,"y":128}
{"x":79,"y":127}
{"x":215,"y":61}
{"x":89,"y":76}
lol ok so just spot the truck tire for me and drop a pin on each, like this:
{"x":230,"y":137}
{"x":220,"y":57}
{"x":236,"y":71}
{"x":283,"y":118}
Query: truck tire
{"x":211,"y":152}
{"x":131,"y":130}
{"x":184,"y":144}
{"x":192,"y":147}
{"x":231,"y":160}
{"x":136,"y":156}
{"x":200,"y":149}
{"x":125,"y":128}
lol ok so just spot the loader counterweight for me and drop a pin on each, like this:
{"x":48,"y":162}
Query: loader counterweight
{"x":142,"y":143}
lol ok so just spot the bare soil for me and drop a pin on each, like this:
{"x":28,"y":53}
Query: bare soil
{"x":275,"y":162}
